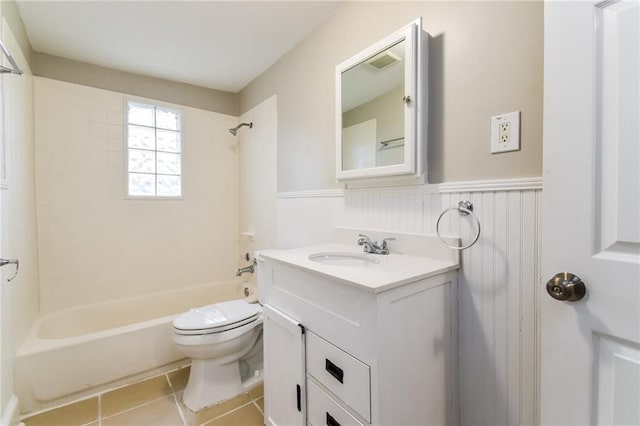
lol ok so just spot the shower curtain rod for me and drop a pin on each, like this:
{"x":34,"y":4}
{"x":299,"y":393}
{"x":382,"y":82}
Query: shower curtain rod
{"x":3,"y":70}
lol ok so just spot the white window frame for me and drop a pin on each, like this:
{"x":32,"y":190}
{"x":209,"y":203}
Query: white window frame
{"x":154,"y":104}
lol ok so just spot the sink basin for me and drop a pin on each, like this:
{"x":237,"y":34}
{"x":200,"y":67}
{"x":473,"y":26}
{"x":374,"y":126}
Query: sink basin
{"x":343,"y":259}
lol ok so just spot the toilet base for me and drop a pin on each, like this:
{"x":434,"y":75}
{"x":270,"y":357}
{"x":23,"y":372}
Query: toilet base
{"x":210,"y":383}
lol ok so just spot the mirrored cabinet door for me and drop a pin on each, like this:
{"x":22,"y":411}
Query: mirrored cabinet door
{"x":378,"y":102}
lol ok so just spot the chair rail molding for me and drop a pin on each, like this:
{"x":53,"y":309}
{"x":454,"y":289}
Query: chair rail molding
{"x":496,"y":185}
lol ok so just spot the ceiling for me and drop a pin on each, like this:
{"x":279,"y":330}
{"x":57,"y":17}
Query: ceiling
{"x":221,"y":45}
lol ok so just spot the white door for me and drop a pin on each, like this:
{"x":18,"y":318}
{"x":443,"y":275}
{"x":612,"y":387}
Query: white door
{"x":284,"y":370}
{"x":591,"y":347}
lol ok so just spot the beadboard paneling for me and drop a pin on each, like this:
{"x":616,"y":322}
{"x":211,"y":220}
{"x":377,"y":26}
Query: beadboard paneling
{"x":497,"y":282}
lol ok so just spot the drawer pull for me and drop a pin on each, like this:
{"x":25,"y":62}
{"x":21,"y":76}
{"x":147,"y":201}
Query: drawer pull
{"x":334,"y":370}
{"x":299,"y":398}
{"x":331,"y":421}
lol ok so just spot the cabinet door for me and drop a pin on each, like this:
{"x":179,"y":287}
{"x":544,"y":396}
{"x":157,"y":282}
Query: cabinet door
{"x":284,"y":384}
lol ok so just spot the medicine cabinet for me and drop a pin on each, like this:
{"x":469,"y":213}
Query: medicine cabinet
{"x":381,"y":109}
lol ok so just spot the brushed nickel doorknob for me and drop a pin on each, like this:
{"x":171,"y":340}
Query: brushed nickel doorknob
{"x":566,"y":286}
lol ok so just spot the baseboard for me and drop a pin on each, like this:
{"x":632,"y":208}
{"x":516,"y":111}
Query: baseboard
{"x":9,"y":416}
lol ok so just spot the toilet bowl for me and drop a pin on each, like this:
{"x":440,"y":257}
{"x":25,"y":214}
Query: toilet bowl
{"x":217,"y":338}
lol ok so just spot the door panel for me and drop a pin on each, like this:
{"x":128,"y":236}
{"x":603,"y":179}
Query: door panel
{"x":590,"y":348}
{"x":284,"y":380}
{"x":618,"y":398}
{"x":618,"y":153}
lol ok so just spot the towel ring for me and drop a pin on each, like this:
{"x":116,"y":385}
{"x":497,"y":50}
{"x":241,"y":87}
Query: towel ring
{"x":465,"y":208}
{"x":11,"y":262}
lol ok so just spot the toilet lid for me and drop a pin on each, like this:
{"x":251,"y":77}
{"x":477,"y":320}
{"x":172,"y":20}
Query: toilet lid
{"x":217,"y":317}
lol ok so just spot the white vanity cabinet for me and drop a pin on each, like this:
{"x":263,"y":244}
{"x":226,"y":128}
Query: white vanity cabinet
{"x":378,"y":354}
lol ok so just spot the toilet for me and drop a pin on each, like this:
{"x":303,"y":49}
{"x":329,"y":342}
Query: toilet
{"x":224,"y":342}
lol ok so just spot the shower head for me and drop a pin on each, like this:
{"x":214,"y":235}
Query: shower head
{"x":234,"y":130}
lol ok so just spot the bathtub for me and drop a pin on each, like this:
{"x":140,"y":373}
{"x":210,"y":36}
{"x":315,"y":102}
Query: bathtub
{"x":77,"y":352}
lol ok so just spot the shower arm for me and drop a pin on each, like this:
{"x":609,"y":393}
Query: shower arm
{"x":234,"y":130}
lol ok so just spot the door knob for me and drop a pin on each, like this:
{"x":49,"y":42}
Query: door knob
{"x":566,"y":286}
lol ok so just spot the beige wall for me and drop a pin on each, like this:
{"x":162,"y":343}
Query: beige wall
{"x":19,"y":298}
{"x":485,"y":59}
{"x":57,"y":68}
{"x":93,"y":244}
{"x":388,"y":110}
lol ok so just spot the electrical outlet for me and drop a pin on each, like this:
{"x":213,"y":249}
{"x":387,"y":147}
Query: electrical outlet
{"x":505,"y":132}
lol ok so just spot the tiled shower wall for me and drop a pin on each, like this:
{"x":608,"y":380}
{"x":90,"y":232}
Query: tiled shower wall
{"x":497,"y":282}
{"x":94,"y":244}
{"x":18,"y":298}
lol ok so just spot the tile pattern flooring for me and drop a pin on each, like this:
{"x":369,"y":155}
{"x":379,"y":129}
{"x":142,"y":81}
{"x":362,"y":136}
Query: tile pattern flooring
{"x":155,"y":401}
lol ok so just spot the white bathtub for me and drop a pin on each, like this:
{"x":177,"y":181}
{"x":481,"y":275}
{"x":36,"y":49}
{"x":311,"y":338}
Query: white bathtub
{"x":80,"y":351}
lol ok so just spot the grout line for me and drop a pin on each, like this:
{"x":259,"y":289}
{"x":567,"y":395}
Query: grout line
{"x":138,"y":406}
{"x":28,"y":416}
{"x":97,"y":394}
{"x":257,"y":406}
{"x":228,"y":412}
{"x":177,"y":401}
{"x":100,"y":410}
{"x":166,"y":377}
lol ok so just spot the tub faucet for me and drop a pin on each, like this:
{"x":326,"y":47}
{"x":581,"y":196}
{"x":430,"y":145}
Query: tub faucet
{"x":250,"y":269}
{"x":370,"y":247}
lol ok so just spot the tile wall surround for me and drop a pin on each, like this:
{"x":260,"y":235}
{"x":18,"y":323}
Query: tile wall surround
{"x":498,"y":289}
{"x":258,"y":156}
{"x":93,"y":244}
{"x":18,"y":298}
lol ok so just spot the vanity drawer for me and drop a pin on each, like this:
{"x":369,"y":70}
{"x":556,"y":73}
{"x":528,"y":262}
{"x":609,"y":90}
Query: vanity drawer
{"x":347,"y":377}
{"x":323,"y":410}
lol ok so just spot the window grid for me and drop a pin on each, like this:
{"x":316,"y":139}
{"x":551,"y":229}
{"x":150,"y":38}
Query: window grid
{"x":157,"y":176}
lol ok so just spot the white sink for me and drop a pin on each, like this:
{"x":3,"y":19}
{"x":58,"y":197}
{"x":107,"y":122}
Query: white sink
{"x":343,"y":259}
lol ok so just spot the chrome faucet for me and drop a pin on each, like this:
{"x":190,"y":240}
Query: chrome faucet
{"x":370,"y":247}
{"x":250,"y":269}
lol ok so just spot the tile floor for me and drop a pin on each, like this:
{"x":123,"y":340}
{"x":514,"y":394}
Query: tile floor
{"x":156,"y":401}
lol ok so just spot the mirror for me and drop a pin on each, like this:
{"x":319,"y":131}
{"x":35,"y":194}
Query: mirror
{"x":378,"y":100}
{"x":373,"y":110}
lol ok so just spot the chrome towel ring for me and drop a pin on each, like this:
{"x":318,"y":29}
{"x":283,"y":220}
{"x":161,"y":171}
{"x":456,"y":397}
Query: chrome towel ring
{"x":11,"y":262}
{"x":465,"y":208}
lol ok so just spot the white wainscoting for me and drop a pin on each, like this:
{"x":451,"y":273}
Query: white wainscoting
{"x":498,"y":282}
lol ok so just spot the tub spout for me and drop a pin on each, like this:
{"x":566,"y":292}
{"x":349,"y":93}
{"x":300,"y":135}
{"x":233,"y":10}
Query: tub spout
{"x":251,"y":269}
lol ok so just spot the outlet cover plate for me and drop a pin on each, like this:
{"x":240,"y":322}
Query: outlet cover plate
{"x":505,"y":132}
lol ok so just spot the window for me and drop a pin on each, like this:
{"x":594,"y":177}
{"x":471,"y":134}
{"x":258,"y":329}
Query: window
{"x":154,"y":151}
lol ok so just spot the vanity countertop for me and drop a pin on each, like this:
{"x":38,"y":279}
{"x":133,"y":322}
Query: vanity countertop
{"x":390,"y":271}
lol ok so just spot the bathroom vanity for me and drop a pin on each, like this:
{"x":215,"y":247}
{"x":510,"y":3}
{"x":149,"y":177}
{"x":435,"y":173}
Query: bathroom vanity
{"x":353,"y":338}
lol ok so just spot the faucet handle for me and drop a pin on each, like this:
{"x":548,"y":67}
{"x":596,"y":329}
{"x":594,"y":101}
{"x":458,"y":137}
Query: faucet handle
{"x":363,"y":239}
{"x":383,"y":247}
{"x":384,"y":241}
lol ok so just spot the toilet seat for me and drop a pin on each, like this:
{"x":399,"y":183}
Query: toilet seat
{"x":216,"y":318}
